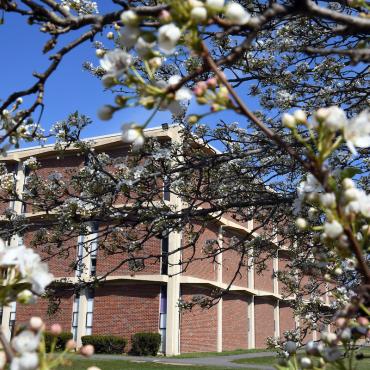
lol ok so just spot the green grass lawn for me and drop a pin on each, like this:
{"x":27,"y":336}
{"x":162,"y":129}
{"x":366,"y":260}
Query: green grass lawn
{"x":271,"y":361}
{"x":268,"y":361}
{"x":225,"y":353}
{"x":83,"y":364}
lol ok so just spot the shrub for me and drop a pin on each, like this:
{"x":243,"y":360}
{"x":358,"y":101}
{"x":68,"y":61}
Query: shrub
{"x":144,"y":344}
{"x":61,"y":340}
{"x":105,"y":343}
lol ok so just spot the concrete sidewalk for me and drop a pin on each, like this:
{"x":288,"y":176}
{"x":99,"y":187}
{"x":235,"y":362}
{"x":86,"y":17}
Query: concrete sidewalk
{"x":217,"y":361}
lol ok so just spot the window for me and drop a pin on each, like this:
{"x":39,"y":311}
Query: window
{"x":94,"y":248}
{"x":89,"y":312}
{"x":75,"y":309}
{"x":13,"y":309}
{"x":166,"y":188}
{"x":80,"y":249}
{"x":164,"y":253}
{"x":163,"y":317}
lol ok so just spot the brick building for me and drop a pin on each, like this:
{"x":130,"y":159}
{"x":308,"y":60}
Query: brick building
{"x":148,"y":300}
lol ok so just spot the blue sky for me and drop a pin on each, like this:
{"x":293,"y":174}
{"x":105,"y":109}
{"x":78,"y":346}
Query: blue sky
{"x":70,"y":88}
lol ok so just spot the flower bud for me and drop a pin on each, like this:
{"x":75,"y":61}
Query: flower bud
{"x":363,"y":321}
{"x":129,"y":18}
{"x":346,"y":335}
{"x":26,"y":297}
{"x":348,"y":183}
{"x":120,"y":100}
{"x":198,"y":14}
{"x":341,"y":322}
{"x":288,"y":120}
{"x":212,"y":82}
{"x":329,"y":338}
{"x":193,"y":119}
{"x":321,"y":114}
{"x":108,"y":81}
{"x":19,"y":101}
{"x":306,"y":363}
{"x":110,"y":36}
{"x":87,"y":350}
{"x":300,"y":116}
{"x":100,"y":53}
{"x":290,"y":347}
{"x":36,"y":323}
{"x":165,"y":16}
{"x":338,"y":271}
{"x":105,"y":113}
{"x":301,"y":223}
{"x":71,"y":345}
{"x":55,"y":329}
{"x":155,"y":62}
{"x":93,"y":368}
{"x":328,"y":200}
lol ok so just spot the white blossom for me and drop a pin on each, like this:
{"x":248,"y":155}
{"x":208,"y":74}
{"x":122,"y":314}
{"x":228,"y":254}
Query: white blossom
{"x":198,"y":14}
{"x":26,"y":341}
{"x":357,"y":132}
{"x":365,"y":206}
{"x":328,"y":200}
{"x":129,"y":36}
{"x":143,"y":48}
{"x":29,"y":265}
{"x":27,"y":361}
{"x":215,"y":4}
{"x":80,"y":6}
{"x":300,"y":116}
{"x":116,"y":62}
{"x":333,"y":229}
{"x":333,"y":118}
{"x":168,"y":36}
{"x":235,"y":13}
{"x":133,"y":134}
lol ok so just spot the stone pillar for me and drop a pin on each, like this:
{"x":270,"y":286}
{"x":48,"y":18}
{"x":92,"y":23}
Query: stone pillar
{"x":251,"y":324}
{"x":219,"y":268}
{"x":173,"y":295}
{"x":277,"y":319}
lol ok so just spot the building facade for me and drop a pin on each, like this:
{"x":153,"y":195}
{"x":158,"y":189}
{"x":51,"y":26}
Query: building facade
{"x":147,"y":301}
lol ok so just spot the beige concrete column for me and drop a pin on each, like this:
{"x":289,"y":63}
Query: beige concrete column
{"x":219,"y":267}
{"x":81,"y":318}
{"x":275,"y":266}
{"x":173,"y":295}
{"x":5,"y":322}
{"x":277,"y":319}
{"x":19,"y":186}
{"x":251,"y":324}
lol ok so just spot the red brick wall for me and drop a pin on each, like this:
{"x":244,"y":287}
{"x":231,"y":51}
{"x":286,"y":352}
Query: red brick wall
{"x":107,"y":261}
{"x":206,"y":268}
{"x":283,"y":262}
{"x":126,"y":309}
{"x":66,"y":166}
{"x":198,"y":328}
{"x":234,"y":322}
{"x":264,"y":320}
{"x":287,"y":321}
{"x":264,"y":281}
{"x":59,"y":260}
{"x":63,"y":315}
{"x":231,"y":260}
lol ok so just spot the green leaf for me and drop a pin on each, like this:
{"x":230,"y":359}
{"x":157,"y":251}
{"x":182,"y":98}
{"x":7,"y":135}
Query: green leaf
{"x":350,"y":172}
